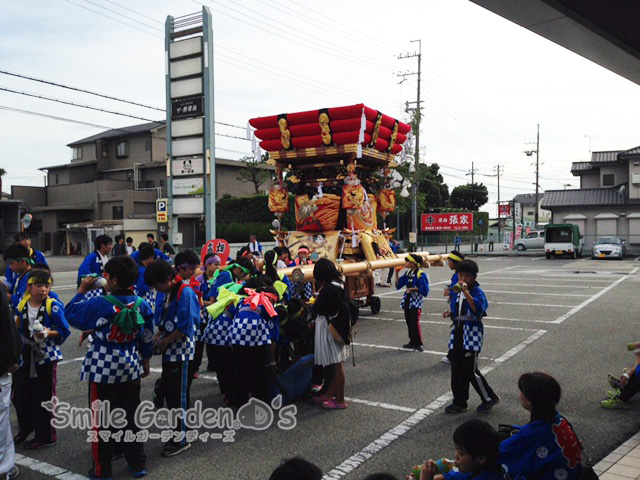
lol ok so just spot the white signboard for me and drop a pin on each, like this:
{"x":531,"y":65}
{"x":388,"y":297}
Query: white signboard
{"x":188,"y":206}
{"x":188,"y":186}
{"x":187,"y":166}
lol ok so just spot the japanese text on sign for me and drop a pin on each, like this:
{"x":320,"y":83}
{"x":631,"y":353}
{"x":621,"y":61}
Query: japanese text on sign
{"x":504,"y":210}
{"x":439,"y":222}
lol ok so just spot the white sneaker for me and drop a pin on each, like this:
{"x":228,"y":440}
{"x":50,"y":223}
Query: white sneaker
{"x":445,"y":359}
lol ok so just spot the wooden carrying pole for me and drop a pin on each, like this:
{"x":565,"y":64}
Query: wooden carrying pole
{"x":305,"y":272}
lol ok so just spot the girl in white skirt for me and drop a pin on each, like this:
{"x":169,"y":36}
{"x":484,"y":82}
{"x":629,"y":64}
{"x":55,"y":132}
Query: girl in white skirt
{"x":329,"y":350}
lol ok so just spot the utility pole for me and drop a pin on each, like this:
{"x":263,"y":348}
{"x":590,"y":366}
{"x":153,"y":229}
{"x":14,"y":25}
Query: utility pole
{"x":498,"y":171}
{"x":537,"y":152}
{"x":537,"y":177}
{"x":417,"y":116}
{"x":472,"y":173}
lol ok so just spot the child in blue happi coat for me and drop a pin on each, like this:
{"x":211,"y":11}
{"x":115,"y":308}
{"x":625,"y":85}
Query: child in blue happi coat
{"x":466,"y":309}
{"x":117,"y":358}
{"x":19,"y":263}
{"x":186,"y":265}
{"x":280,"y":281}
{"x":452,"y":260}
{"x":236,"y":271}
{"x":94,"y":263}
{"x":141,"y":289}
{"x":252,"y":336}
{"x":417,"y":287}
{"x":36,"y":256}
{"x":43,"y":327}
{"x":177,"y":316}
{"x":476,"y":455}
{"x":546,"y":448}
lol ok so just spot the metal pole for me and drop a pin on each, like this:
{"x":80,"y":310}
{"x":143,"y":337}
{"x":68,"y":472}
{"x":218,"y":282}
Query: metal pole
{"x":209,"y":127}
{"x":537,"y":175}
{"x":173,"y":220}
{"x":499,"y":225}
{"x":414,"y":217}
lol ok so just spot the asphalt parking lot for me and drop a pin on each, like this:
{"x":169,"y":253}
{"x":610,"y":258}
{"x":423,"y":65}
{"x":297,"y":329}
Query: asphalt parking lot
{"x":571,"y":318}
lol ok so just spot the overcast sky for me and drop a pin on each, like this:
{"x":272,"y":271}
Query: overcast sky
{"x":486,"y":82}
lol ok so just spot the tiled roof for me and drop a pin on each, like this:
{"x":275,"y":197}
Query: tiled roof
{"x":584,"y":197}
{"x":120,"y":132}
{"x":631,"y":151}
{"x":612,"y":156}
{"x":526,"y":198}
{"x":581,"y":167}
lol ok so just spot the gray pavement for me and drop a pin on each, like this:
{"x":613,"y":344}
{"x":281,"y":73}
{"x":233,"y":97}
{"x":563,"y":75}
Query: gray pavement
{"x":572,"y":319}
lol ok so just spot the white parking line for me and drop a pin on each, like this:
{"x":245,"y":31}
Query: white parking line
{"x":494,"y":302}
{"x":490,"y":317}
{"x":537,"y":258}
{"x":357,"y":459}
{"x":549,"y":285}
{"x":401,"y":349}
{"x":444,"y":282}
{"x":77,"y":359}
{"x":434,"y":322}
{"x":577,"y":308}
{"x":388,"y":406}
{"x":582,"y":280}
{"x":47,"y":469}
{"x":537,"y":293}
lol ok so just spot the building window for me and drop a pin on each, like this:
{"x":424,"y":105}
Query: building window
{"x":150,"y":184}
{"x":122,"y":149}
{"x":608,"y":180}
{"x":105,"y":150}
{"x":117,"y":212}
{"x":147,"y":145}
{"x":162,"y":183}
{"x":76,"y":153}
{"x":57,"y":179}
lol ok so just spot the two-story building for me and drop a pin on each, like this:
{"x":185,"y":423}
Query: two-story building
{"x":111,"y":186}
{"x":525,"y":205}
{"x":608,"y":200}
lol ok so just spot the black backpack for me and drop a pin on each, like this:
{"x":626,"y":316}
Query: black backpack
{"x":346,"y":319}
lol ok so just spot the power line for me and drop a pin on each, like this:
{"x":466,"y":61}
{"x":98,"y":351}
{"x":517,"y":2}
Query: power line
{"x":349,"y":58}
{"x":66,"y":102}
{"x":237,"y":53}
{"x":81,"y":90}
{"x":107,"y":16}
{"x":94,"y":125}
{"x":125,"y":16}
{"x":109,"y":97}
{"x":137,"y":13}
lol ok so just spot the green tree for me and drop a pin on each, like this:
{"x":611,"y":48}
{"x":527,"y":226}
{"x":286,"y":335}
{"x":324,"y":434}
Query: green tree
{"x":254,"y":171}
{"x":469,"y":197}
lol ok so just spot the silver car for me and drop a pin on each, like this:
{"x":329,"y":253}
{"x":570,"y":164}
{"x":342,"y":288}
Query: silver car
{"x":609,"y":247}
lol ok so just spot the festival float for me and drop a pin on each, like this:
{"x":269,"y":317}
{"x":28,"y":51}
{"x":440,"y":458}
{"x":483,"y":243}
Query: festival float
{"x":337,"y":163}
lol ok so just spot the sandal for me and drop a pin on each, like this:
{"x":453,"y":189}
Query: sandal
{"x":333,"y":405}
{"x":320,"y":399}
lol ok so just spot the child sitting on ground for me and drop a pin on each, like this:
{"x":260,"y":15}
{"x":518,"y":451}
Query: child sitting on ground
{"x":626,"y":386}
{"x":476,"y":455}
